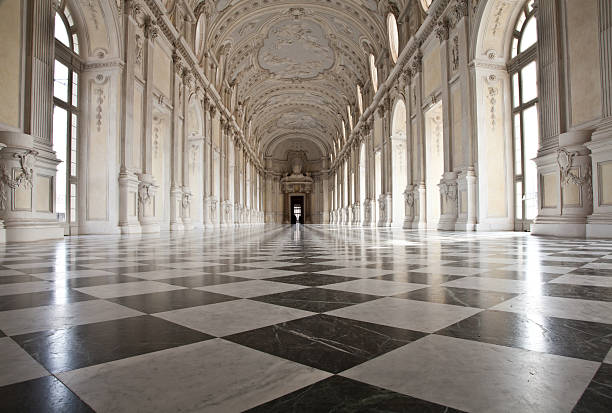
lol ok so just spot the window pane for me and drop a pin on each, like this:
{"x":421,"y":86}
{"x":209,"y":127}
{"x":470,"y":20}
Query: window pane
{"x":518,"y":196}
{"x":75,"y":89}
{"x":530,"y":35}
{"x":518,"y":159}
{"x":360,"y":100}
{"x":514,"y":46}
{"x":520,"y":21}
{"x":61,"y":33}
{"x":530,"y":144}
{"x":73,"y":146}
{"x":515,"y":91}
{"x":73,"y":203}
{"x":374,"y":72}
{"x":393,"y":36}
{"x":60,"y":81}
{"x":75,"y":43}
{"x":60,"y":134}
{"x":529,"y":82}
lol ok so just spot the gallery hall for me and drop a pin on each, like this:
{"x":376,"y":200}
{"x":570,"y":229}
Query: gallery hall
{"x":304,"y":206}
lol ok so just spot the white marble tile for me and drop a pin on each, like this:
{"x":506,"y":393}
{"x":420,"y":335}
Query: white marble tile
{"x":211,"y":376}
{"x":8,"y":273}
{"x":599,"y":265}
{"x":110,"y":264}
{"x":495,"y":284}
{"x":375,"y":287}
{"x":253,"y":288}
{"x":55,"y":276}
{"x":572,"y":308}
{"x":31,"y":265}
{"x":232,"y":317}
{"x":357,"y":272}
{"x":26,"y":287}
{"x":261,"y":273}
{"x":608,"y":358}
{"x":449,"y":270}
{"x":409,"y":314}
{"x":129,"y":288}
{"x":53,"y":317}
{"x":479,"y":377}
{"x":17,"y":365}
{"x":579,"y":279}
{"x":164,"y":274}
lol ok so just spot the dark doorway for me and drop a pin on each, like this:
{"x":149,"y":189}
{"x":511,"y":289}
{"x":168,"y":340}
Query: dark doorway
{"x":297,"y":209}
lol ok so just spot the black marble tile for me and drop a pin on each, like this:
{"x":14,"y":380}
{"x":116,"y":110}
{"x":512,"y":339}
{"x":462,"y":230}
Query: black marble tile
{"x":2,"y":334}
{"x":311,"y":280}
{"x":325,"y":342}
{"x":569,"y":263}
{"x":220,"y":269}
{"x":94,"y":281}
{"x":342,"y":395}
{"x":45,"y":394}
{"x":593,"y":271}
{"x":598,"y":396}
{"x":458,"y":296}
{"x":90,"y":344}
{"x":309,"y":267}
{"x":42,"y":298}
{"x":52,"y":268}
{"x":317,"y":300}
{"x":391,"y":266}
{"x":203,"y":280}
{"x":518,"y":275}
{"x":133,"y":268}
{"x":419,"y":278}
{"x":14,"y":279}
{"x":584,"y":292}
{"x":570,"y":338}
{"x":170,"y":300}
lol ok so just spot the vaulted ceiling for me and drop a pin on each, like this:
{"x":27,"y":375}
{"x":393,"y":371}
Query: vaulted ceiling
{"x":295,"y":64}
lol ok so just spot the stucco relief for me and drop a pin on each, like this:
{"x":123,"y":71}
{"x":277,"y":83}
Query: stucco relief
{"x":296,"y":49}
{"x":297,"y":120}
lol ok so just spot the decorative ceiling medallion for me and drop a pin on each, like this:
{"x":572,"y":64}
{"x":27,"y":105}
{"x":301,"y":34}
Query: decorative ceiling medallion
{"x":296,"y":49}
{"x":298,"y":120}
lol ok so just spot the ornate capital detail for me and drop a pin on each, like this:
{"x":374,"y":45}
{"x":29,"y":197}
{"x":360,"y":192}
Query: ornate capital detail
{"x":442,"y":30}
{"x":565,"y":160}
{"x":417,"y":62}
{"x":151,"y":29}
{"x":133,"y":8}
{"x":23,"y":180}
{"x":461,"y":9}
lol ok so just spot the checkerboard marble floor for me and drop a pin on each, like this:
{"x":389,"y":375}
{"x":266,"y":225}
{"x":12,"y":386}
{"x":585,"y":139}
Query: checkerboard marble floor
{"x":319,"y":319}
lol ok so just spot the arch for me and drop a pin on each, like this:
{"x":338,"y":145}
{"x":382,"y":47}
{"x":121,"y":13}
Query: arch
{"x":491,"y":53}
{"x":398,"y":124}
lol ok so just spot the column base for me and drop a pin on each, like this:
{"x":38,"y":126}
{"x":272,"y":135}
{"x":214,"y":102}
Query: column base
{"x":567,"y":227}
{"x":29,"y":231}
{"x":599,"y":226}
{"x":177,"y":226}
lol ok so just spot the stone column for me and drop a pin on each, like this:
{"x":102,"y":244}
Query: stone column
{"x":176,"y":145}
{"x":147,"y":190}
{"x":417,"y":69}
{"x":405,"y":88}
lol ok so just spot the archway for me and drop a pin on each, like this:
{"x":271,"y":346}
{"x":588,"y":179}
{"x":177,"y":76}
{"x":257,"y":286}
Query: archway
{"x":501,"y":185}
{"x":399,"y":162}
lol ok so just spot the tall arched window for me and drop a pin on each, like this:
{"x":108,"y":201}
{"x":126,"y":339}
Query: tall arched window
{"x":200,"y":33}
{"x":360,"y":99}
{"x":523,"y":71}
{"x":373,"y":72}
{"x":393,"y":37}
{"x":66,"y":115}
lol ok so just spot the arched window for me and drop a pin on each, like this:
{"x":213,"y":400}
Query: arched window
{"x":200,"y":34}
{"x":425,"y":4}
{"x":360,"y":99}
{"x":66,"y":115}
{"x":393,"y":37}
{"x":524,"y":72}
{"x":350,"y":117}
{"x":373,"y":72}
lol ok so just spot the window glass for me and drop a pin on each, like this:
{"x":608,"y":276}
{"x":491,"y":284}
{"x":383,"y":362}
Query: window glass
{"x":518,"y":159}
{"x":60,"y":136}
{"x":529,"y":36}
{"x":360,"y":100}
{"x":75,"y":89}
{"x":61,"y":33}
{"x":374,"y":72}
{"x":393,"y":36}
{"x":516,"y":100}
{"x":60,"y":81}
{"x":530,"y":143}
{"x":73,"y":147}
{"x":529,"y":82}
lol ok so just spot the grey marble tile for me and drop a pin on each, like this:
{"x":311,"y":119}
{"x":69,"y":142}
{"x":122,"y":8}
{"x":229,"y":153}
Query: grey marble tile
{"x":129,"y":288}
{"x":408,"y":314}
{"x":479,"y":377}
{"x":375,"y":287}
{"x":232,"y":317}
{"x":495,"y":284}
{"x":25,"y":287}
{"x":212,"y":376}
{"x":357,"y":272}
{"x":17,"y":365}
{"x":52,"y":317}
{"x":261,"y":273}
{"x":572,"y":308}
{"x":579,"y":279}
{"x":253,"y":288}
